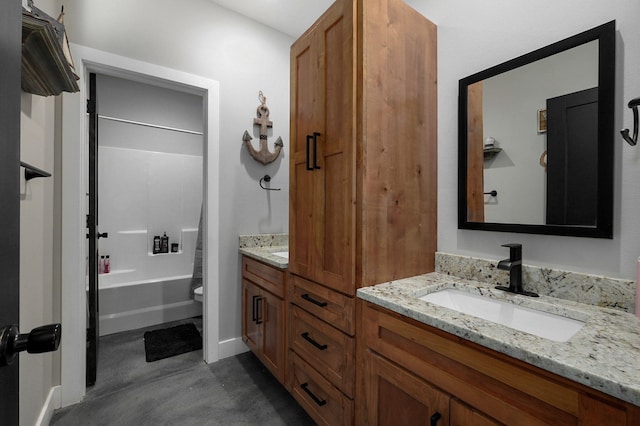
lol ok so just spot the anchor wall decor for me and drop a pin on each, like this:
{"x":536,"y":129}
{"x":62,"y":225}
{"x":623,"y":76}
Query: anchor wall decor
{"x":263,"y":155}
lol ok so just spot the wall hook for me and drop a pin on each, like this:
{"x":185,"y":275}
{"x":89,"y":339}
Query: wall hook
{"x":31,"y":172}
{"x":633,"y":104}
{"x":267,"y":179}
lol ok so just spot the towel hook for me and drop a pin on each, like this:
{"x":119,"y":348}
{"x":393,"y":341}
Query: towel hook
{"x":267,"y":179}
{"x":633,"y":104}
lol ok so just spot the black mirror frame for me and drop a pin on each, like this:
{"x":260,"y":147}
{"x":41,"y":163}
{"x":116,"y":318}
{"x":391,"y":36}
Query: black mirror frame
{"x":606,"y":36}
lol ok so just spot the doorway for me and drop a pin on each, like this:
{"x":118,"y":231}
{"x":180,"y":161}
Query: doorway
{"x":75,"y":146}
{"x":145,"y":204}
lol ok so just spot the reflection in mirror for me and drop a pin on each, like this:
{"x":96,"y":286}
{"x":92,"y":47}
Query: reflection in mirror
{"x":536,"y":140}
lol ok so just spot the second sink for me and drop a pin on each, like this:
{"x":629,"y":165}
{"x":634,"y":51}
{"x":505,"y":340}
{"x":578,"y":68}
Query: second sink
{"x":539,"y":323}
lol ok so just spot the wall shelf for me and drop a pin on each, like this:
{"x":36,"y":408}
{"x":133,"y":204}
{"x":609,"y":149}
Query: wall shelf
{"x":47,"y":68}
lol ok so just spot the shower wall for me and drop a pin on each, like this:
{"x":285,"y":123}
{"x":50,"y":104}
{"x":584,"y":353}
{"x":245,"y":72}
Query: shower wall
{"x":150,"y":182}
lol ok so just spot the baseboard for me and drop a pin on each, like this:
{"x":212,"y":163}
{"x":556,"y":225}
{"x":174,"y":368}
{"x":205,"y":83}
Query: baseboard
{"x":53,"y":402}
{"x":232,"y":347}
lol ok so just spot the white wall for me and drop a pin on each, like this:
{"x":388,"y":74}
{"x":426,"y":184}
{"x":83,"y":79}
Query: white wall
{"x":473,"y":36}
{"x":39,"y":214}
{"x":201,"y":38}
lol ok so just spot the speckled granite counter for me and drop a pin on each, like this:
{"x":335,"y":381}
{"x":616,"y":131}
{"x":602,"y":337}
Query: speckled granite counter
{"x":261,"y":247}
{"x":604,"y":354}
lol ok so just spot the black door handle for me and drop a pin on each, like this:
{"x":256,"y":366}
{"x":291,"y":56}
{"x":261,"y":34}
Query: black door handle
{"x":103,"y":235}
{"x":433,"y":421}
{"x":41,"y":339}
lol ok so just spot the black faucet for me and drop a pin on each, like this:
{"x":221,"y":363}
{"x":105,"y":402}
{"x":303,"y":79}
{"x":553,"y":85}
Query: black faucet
{"x":514,"y":266}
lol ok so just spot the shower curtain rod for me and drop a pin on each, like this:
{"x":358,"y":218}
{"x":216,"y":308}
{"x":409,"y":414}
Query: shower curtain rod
{"x":157,"y":126}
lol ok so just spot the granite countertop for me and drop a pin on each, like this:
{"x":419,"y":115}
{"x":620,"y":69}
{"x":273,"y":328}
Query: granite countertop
{"x":604,"y":354}
{"x":265,"y":254}
{"x":262,"y":246}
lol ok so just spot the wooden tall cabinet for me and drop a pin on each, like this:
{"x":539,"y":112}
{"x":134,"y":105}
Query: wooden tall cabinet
{"x":362,"y":183}
{"x":363,"y":146}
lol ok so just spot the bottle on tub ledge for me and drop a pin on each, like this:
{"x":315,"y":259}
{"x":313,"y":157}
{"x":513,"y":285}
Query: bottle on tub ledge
{"x":164,"y":244}
{"x":156,"y":244}
{"x":101,"y":265}
{"x":107,"y":265}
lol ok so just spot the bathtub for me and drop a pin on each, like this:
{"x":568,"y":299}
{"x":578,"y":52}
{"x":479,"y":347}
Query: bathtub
{"x":127,"y":303}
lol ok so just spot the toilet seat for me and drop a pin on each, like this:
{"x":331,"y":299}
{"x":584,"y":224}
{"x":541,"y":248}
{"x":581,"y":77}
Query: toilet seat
{"x":197,"y":294}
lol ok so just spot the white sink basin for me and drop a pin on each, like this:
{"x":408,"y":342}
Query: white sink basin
{"x":539,"y":323}
{"x":284,"y":254}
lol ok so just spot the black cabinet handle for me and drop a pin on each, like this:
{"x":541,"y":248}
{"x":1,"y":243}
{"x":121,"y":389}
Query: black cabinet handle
{"x":320,"y":402}
{"x":314,"y":301}
{"x":254,"y":318}
{"x":315,"y":150}
{"x":258,"y":313}
{"x":433,"y":421}
{"x":309,"y":137}
{"x":306,"y":337}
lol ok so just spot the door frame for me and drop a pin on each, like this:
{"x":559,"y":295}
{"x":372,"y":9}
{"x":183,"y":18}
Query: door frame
{"x":74,"y":204}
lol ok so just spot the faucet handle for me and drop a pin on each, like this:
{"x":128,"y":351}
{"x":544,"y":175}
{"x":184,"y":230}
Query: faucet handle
{"x":515,"y":250}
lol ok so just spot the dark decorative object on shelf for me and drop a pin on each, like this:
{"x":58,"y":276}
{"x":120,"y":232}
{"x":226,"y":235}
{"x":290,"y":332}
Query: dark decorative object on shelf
{"x":47,"y":67}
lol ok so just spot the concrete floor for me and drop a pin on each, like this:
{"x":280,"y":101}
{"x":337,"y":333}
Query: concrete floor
{"x":181,"y":390}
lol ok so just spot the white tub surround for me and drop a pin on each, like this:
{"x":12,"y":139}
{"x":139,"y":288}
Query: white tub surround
{"x":604,"y":354}
{"x":263,"y":246}
{"x":590,"y":289}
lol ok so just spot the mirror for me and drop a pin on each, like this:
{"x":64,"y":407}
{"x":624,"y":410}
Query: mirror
{"x":535,"y":139}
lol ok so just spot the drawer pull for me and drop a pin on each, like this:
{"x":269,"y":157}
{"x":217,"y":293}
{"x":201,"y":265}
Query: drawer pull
{"x":433,"y":421}
{"x":320,"y":402}
{"x":312,"y":300}
{"x":306,"y":337}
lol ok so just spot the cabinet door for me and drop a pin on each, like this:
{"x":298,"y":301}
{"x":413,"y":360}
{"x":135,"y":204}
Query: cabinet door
{"x":273,"y":346}
{"x":396,"y":397}
{"x":251,"y":329}
{"x":322,"y":170}
{"x":463,"y":415}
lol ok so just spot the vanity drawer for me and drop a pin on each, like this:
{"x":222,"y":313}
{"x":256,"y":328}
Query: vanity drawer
{"x":328,"y":349}
{"x":320,"y":399}
{"x":268,"y":277}
{"x":328,"y":305}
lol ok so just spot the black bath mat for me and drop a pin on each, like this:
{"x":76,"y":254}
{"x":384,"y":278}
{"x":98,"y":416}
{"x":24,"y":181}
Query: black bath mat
{"x":168,"y":342}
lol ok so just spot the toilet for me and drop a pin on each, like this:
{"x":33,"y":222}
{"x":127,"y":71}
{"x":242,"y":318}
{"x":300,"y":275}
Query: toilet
{"x":197,"y":294}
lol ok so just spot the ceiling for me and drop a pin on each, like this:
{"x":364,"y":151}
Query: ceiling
{"x":291,"y":17}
